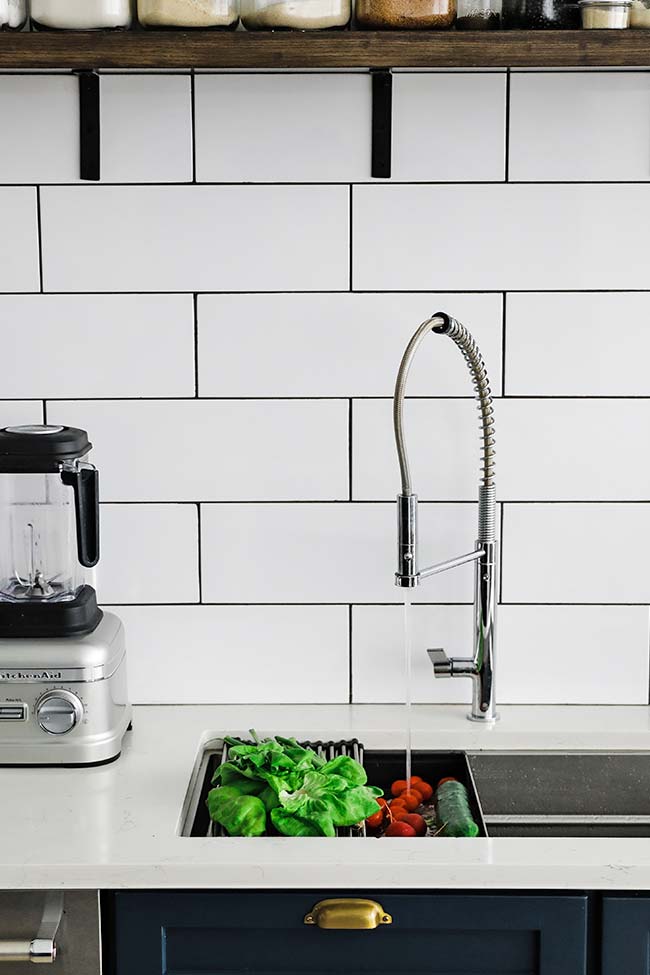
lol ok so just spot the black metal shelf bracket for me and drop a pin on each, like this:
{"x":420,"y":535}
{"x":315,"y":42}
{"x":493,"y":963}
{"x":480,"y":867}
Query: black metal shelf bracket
{"x":89,"y":126}
{"x":382,"y":122}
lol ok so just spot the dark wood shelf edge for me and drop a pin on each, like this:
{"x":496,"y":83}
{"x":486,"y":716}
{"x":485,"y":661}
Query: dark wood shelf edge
{"x":327,"y":49}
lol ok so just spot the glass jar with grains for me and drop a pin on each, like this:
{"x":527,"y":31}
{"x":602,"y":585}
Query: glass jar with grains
{"x":222,"y":14}
{"x":295,"y":14}
{"x":82,"y":14}
{"x":640,"y":14}
{"x":478,"y":15}
{"x":13,"y":14}
{"x":540,"y":14}
{"x":405,"y":14}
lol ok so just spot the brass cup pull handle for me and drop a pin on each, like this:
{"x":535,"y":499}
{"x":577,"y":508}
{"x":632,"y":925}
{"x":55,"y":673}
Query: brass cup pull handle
{"x":348,"y":914}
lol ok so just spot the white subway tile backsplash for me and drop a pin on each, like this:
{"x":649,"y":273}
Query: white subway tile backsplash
{"x":500,"y":237}
{"x":317,"y":128}
{"x":17,"y":412}
{"x":189,"y":238}
{"x":547,"y":654}
{"x":449,"y":126}
{"x":141,"y":345}
{"x":145,"y":127}
{"x":194,"y":450}
{"x":600,"y":120}
{"x":337,"y":344}
{"x":573,"y":344}
{"x":149,"y":554}
{"x":237,"y":654}
{"x":573,"y":553}
{"x":573,"y":450}
{"x":19,"y":258}
{"x":327,"y":553}
{"x":442,"y":438}
{"x":547,"y":449}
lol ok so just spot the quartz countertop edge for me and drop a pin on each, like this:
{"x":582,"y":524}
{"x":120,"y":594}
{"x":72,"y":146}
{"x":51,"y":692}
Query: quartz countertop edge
{"x":117,"y":826}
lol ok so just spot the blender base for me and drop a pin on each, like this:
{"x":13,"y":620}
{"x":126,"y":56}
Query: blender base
{"x":63,"y":700}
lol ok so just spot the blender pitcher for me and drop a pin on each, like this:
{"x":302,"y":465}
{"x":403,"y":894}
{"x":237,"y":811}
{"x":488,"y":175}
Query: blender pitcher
{"x":49,"y":530}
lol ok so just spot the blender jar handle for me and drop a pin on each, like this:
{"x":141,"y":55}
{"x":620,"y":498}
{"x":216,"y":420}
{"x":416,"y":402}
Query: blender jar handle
{"x":85,"y":484}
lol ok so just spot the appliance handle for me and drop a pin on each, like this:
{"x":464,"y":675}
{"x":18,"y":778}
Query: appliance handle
{"x":42,"y":948}
{"x":84,"y":481}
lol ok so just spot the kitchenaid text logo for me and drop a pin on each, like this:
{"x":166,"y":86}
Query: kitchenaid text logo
{"x":30,"y":675}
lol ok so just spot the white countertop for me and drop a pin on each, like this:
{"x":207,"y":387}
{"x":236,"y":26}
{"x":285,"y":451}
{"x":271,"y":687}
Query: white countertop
{"x":116,"y":826}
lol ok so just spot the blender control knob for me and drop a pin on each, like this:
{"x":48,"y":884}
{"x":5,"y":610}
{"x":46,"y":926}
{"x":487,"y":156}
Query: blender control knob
{"x":58,"y":712}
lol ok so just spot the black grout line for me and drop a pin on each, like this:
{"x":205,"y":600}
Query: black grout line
{"x":193,"y":124}
{"x":503,"y":344}
{"x":507,"y":128}
{"x":200,"y":551}
{"x":337,"y":291}
{"x":195,"y":304}
{"x":396,"y":605}
{"x":40,"y":239}
{"x":350,"y":658}
{"x":350,"y":450}
{"x":336,"y":398}
{"x":334,"y":183}
{"x":501,"y":560}
{"x":386,"y":501}
{"x":350,"y":239}
{"x":45,"y":411}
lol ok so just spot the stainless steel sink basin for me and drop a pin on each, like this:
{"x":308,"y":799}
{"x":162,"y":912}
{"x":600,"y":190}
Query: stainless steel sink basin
{"x":564,"y":794}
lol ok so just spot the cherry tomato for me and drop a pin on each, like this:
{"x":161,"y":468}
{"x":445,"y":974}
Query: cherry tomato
{"x":400,"y":829}
{"x":424,"y":789}
{"x":399,"y":813}
{"x":450,"y":778}
{"x":398,"y":787}
{"x":416,"y":822}
{"x":376,"y":819}
{"x":411,"y":800}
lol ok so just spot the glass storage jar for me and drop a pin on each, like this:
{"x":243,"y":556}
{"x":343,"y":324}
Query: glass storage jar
{"x":81,"y":14}
{"x":188,"y":13}
{"x":13,"y":14}
{"x":605,"y":14}
{"x":478,"y":15}
{"x":295,"y":14}
{"x":540,"y":14}
{"x":640,"y":14}
{"x":405,"y":14}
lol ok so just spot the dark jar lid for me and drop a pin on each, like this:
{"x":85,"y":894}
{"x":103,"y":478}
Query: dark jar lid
{"x":39,"y":449}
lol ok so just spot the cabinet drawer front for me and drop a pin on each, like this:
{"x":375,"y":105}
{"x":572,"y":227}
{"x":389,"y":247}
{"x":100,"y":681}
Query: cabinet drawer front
{"x":626,"y":936}
{"x":264,"y":934}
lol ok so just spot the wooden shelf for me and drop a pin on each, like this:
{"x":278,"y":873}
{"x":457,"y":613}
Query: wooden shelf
{"x":327,"y":49}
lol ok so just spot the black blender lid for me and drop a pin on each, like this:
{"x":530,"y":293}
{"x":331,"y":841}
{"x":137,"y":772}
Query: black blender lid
{"x":40,"y":448}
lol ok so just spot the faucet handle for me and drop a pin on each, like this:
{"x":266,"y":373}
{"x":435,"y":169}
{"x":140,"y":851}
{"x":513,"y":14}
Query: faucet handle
{"x":442,"y":665}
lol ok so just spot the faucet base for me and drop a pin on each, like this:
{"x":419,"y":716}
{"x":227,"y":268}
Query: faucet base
{"x":483,"y":718}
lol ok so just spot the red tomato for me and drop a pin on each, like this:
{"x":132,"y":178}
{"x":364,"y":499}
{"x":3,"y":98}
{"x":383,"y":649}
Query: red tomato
{"x":398,"y":787}
{"x":411,"y":800}
{"x":425,"y":790}
{"x":400,"y":829}
{"x":376,"y":819}
{"x":416,"y":822}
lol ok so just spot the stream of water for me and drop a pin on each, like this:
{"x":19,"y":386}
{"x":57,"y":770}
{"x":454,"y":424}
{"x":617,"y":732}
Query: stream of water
{"x":408,"y":690}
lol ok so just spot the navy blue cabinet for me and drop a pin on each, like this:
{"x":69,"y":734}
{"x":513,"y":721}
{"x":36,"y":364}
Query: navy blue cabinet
{"x":626,"y":936}
{"x":263,"y":933}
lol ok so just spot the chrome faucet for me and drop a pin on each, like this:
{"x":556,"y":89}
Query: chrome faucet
{"x":480,"y":666}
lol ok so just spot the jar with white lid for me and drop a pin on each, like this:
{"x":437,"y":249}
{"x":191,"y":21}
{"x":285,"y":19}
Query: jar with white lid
{"x":295,"y":14}
{"x":82,"y":14}
{"x":13,"y":14}
{"x":222,"y":14}
{"x":640,"y":14}
{"x":605,"y":14}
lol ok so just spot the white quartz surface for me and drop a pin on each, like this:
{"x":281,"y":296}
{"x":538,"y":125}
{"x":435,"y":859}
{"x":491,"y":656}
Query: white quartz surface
{"x":117,"y":826}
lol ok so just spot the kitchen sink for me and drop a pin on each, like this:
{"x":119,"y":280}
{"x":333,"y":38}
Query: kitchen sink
{"x":564,"y":793}
{"x":520,"y":794}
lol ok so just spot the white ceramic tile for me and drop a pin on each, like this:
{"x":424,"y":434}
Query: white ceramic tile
{"x":149,"y":554}
{"x":500,"y":237}
{"x":547,"y":449}
{"x":545,"y":654}
{"x":14,"y":413}
{"x":193,"y":450}
{"x":145,"y":128}
{"x":317,"y":127}
{"x":237,"y":654}
{"x":18,"y":239}
{"x":322,"y":553}
{"x":337,"y":344}
{"x":449,"y":127}
{"x":600,"y":120}
{"x":442,"y":438}
{"x":573,"y":450}
{"x":97,"y":345}
{"x":578,"y":344}
{"x":576,"y":553}
{"x":189,"y":238}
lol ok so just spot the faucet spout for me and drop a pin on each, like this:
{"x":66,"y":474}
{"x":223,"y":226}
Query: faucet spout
{"x":480,"y":666}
